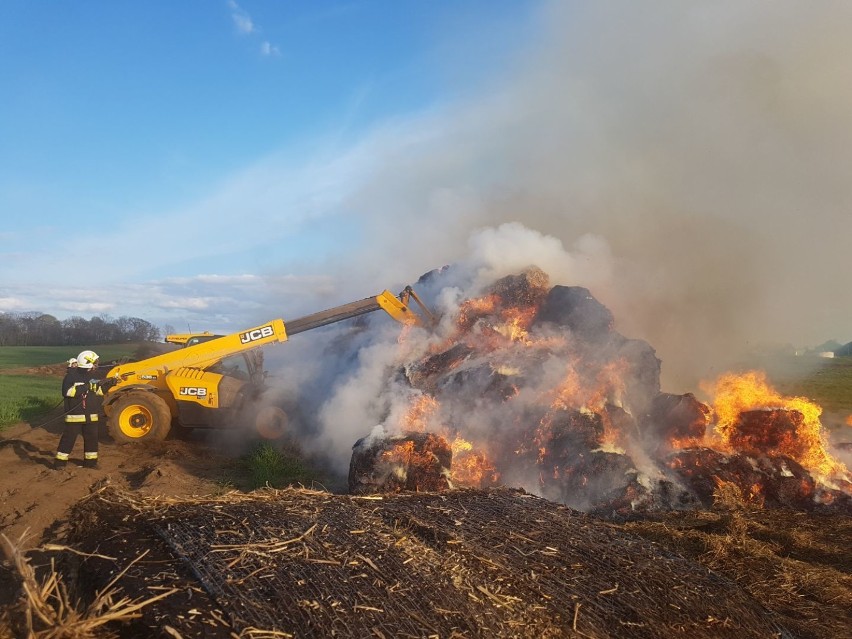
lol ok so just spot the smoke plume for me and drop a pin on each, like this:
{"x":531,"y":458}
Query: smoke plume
{"x":361,"y":391}
{"x":696,"y":155}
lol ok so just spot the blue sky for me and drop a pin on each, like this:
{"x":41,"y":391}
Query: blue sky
{"x":125,"y":122}
{"x":215,"y":164}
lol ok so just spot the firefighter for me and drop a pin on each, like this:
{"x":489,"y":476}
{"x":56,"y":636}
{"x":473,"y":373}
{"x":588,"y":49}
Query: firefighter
{"x":83,"y":393}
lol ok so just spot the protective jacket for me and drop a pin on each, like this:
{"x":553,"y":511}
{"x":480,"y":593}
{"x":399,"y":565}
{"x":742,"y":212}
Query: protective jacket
{"x":83,"y":393}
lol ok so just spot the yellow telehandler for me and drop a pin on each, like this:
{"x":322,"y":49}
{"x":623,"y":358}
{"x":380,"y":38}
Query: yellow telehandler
{"x":218,"y":380}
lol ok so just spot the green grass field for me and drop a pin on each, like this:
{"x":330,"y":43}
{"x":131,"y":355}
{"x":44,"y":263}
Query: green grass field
{"x":24,"y":397}
{"x":825,"y":381}
{"x":31,"y":356}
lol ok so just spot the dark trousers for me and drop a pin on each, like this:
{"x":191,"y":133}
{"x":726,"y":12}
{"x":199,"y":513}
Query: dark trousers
{"x":72,"y":431}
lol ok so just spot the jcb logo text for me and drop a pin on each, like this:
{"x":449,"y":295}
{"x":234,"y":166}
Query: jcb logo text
{"x":194,"y":391}
{"x":256,"y":334}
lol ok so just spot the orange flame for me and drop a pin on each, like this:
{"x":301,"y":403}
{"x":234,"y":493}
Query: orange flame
{"x":516,"y":323}
{"x":738,"y":393}
{"x":567,"y":394}
{"x":474,"y":308}
{"x":495,"y":324}
{"x":419,"y":415}
{"x":470,"y":468}
{"x":400,"y":454}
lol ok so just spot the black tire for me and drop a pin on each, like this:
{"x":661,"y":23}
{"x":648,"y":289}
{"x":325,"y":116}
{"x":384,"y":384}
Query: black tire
{"x":139,"y":416}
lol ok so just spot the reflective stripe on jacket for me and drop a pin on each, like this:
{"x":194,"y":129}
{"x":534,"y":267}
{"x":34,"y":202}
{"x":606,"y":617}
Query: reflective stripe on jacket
{"x":76,"y":419}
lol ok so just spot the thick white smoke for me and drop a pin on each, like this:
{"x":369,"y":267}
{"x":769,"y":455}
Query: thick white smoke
{"x":359,"y":395}
{"x":706,"y":146}
{"x":534,"y":404}
{"x":688,"y":163}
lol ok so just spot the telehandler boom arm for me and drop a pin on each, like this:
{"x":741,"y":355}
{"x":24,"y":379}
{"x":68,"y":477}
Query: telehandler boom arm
{"x":187,"y":386}
{"x":395,"y":306}
{"x":209,"y":349}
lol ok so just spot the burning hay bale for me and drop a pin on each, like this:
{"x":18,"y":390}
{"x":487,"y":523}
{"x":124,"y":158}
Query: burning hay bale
{"x":540,"y":390}
{"x":464,"y":563}
{"x":414,"y":461}
{"x":771,"y":481}
{"x":530,"y":385}
{"x":768,"y":430}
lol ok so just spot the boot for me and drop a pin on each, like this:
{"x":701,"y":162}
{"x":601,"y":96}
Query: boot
{"x":90,"y":463}
{"x":60,"y":464}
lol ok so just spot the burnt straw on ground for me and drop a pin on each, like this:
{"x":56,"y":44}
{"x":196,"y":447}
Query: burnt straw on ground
{"x":497,"y":563}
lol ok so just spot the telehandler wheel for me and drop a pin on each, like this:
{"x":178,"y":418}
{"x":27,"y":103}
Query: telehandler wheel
{"x":271,"y":422}
{"x":139,"y":416}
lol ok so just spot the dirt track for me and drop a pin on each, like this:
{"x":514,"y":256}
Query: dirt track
{"x":34,"y":498}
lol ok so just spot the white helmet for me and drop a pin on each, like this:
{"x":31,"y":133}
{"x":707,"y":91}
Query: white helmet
{"x":87,"y":359}
{"x":72,"y":362}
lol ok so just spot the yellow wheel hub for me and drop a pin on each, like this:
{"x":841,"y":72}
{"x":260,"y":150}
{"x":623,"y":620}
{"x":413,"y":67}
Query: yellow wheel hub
{"x":135,"y":421}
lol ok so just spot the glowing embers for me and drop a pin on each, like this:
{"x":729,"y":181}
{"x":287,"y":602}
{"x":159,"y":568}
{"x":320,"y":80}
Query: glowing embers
{"x":764,"y":480}
{"x":414,"y":462}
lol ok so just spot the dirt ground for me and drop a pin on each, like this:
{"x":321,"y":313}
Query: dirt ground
{"x":797,"y":565}
{"x":34,"y":498}
{"x":36,"y":501}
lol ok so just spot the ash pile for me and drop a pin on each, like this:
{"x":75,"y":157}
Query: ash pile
{"x":472,"y":563}
{"x":530,"y":385}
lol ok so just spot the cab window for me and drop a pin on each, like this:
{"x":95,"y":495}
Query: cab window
{"x":233,"y":366}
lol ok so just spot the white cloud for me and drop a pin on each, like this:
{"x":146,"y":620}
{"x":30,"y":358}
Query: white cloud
{"x":13,"y":304}
{"x":185,"y":303}
{"x":88,"y":308}
{"x":269,"y":49}
{"x":246,"y":27}
{"x":241,"y":18}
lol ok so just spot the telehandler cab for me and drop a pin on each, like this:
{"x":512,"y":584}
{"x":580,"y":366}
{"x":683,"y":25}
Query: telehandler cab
{"x":218,"y":380}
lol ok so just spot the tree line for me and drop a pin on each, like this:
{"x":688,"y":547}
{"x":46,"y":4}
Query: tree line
{"x":40,"y":329}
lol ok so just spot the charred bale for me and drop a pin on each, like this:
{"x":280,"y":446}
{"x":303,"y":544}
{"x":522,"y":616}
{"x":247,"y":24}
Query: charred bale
{"x":526,"y":289}
{"x":425,"y":373}
{"x":574,"y":307}
{"x":771,"y":481}
{"x":481,"y":380}
{"x":673,"y":419}
{"x":411,"y":462}
{"x":598,"y":481}
{"x":571,"y":432}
